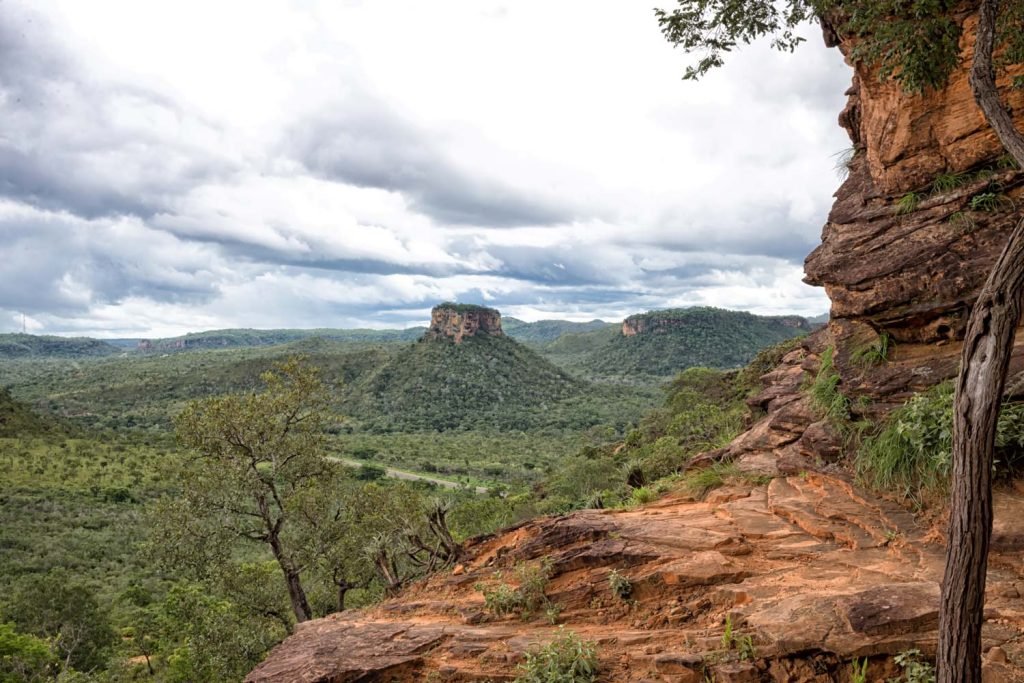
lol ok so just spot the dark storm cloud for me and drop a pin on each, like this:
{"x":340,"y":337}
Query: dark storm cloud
{"x":364,"y":143}
{"x":61,"y":147}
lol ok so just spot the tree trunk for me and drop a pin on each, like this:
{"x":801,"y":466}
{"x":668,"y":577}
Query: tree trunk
{"x":297,"y":595}
{"x":343,"y":588}
{"x":984,"y":362}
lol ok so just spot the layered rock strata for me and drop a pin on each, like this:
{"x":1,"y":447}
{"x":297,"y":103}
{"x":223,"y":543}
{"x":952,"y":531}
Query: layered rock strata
{"x":456,"y":322}
{"x":807,"y":567}
{"x":926,"y":208}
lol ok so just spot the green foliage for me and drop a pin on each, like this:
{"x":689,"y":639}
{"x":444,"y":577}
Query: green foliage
{"x":824,"y":390}
{"x":914,"y":42}
{"x":527,"y":598}
{"x":874,"y":353}
{"x":193,"y":635}
{"x":642,"y":496}
{"x":991,"y":202}
{"x":728,"y":638}
{"x":700,"y":482}
{"x":566,"y":659}
{"x":915,"y":668}
{"x":620,"y":585}
{"x":677,"y":339}
{"x":35,"y":346}
{"x":947,"y":182}
{"x":17,"y":419}
{"x":436,"y":385}
{"x":249,"y":338}
{"x":544,"y":332}
{"x":56,"y":607}
{"x":912,"y":452}
{"x":715,"y":27}
{"x":907,"y":204}
{"x":859,"y":671}
{"x":466,"y":308}
{"x":24,"y":658}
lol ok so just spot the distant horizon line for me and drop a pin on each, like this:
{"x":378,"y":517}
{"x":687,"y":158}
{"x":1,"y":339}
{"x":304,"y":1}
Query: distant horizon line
{"x":412,"y":326}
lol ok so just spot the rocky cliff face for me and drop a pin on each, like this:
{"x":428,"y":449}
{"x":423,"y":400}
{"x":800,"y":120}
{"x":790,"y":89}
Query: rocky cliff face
{"x":923,"y":214}
{"x":456,"y":322}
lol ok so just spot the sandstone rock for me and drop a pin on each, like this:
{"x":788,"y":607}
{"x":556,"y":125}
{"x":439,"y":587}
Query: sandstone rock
{"x":892,"y":609}
{"x":456,"y":322}
{"x":736,"y":672}
{"x":914,"y":276}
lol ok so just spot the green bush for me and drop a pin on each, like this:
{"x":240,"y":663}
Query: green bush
{"x":527,"y":598}
{"x":24,"y":658}
{"x":642,"y":496}
{"x":915,"y":669}
{"x":912,"y":453}
{"x":620,"y":586}
{"x":567,"y":659}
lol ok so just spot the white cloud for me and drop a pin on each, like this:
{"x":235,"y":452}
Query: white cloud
{"x":172,"y":166}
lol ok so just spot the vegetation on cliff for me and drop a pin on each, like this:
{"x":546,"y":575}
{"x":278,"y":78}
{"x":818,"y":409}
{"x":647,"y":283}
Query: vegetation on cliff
{"x":918,"y":44}
{"x":667,"y":342}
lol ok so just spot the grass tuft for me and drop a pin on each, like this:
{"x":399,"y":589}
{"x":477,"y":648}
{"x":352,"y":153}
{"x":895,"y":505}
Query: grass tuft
{"x":824,"y":390}
{"x":947,"y":182}
{"x":907,"y":204}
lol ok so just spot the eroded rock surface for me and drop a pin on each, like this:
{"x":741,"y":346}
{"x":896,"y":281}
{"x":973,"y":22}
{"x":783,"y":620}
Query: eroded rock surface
{"x":910,"y":238}
{"x":812,"y":569}
{"x":456,"y":322}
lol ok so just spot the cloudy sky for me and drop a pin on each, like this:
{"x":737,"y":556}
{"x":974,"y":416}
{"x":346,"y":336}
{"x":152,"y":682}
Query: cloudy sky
{"x":168,"y":166}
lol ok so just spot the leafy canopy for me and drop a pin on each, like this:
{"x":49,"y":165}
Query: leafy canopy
{"x":915,"y":42}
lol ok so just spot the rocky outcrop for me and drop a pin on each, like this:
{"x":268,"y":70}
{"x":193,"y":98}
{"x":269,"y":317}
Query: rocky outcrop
{"x":925,"y":210}
{"x":455,"y":322}
{"x":814,"y":572}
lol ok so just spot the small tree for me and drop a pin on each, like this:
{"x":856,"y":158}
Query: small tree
{"x":65,"y":612}
{"x":917,"y":43}
{"x":253,"y":459}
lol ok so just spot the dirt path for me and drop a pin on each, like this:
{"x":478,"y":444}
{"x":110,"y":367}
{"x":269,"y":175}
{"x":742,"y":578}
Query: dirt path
{"x":408,"y":476}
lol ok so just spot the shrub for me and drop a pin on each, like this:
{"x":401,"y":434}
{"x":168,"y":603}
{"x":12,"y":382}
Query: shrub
{"x":567,"y":659}
{"x":526,"y":599}
{"x":620,"y":586}
{"x":642,"y":496}
{"x":912,"y":453}
{"x":915,"y":669}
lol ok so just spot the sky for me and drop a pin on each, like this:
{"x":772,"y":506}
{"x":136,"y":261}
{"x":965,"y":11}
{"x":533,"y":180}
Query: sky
{"x":168,"y":167}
